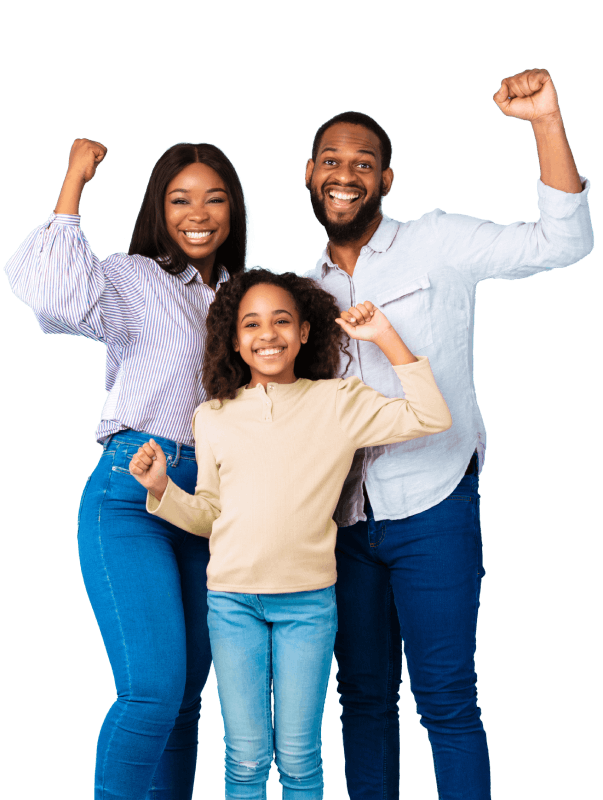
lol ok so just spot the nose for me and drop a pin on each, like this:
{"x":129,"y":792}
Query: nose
{"x":268,"y":334}
{"x":343,"y":173}
{"x":198,"y":213}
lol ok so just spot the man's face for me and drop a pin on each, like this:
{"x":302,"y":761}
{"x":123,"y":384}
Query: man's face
{"x":346,"y":182}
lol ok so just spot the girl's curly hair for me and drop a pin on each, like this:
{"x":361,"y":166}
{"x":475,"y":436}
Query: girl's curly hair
{"x":224,"y":371}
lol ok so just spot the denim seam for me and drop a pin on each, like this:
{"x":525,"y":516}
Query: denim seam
{"x":390,"y":672}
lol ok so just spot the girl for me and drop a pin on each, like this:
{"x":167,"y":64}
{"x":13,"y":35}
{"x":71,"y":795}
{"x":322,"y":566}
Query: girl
{"x":145,"y":578}
{"x":273,"y":448}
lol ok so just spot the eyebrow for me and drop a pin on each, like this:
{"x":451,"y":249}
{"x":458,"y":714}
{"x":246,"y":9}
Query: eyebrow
{"x":336,"y":150}
{"x":207,"y":191}
{"x":278,"y":311}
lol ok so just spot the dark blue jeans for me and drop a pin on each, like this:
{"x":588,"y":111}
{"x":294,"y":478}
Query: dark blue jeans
{"x":417,"y":580}
{"x":147,"y":585}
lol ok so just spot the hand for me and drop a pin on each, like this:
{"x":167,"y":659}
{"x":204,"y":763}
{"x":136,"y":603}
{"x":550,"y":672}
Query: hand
{"x":148,"y":466}
{"x":364,"y":322}
{"x":84,"y":158}
{"x":528,"y":95}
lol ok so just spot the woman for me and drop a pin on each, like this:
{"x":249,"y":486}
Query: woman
{"x":144,"y":577}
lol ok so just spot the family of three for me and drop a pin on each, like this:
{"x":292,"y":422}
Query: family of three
{"x":233,"y":539}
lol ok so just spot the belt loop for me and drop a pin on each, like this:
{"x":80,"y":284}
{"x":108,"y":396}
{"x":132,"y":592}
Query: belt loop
{"x":106,"y":442}
{"x":177,"y":459}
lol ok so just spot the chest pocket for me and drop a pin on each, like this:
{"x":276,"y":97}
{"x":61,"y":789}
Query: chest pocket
{"x":408,"y":307}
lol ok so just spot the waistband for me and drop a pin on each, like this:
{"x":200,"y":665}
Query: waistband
{"x":138,"y":438}
{"x":472,"y":469}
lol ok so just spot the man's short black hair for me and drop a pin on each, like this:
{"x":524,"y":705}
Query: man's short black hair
{"x":357,"y":118}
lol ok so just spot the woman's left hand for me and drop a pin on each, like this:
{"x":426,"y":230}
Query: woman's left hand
{"x":364,"y":322}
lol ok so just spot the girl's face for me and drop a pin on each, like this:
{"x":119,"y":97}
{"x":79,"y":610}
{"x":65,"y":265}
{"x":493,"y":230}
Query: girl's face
{"x":197,"y":214}
{"x":269,"y":334}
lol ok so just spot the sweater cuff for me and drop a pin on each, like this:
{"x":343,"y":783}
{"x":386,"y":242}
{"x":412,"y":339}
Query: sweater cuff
{"x":415,"y":366}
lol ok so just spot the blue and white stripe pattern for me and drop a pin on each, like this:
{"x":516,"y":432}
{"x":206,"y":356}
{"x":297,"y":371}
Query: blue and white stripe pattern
{"x":152,"y":322}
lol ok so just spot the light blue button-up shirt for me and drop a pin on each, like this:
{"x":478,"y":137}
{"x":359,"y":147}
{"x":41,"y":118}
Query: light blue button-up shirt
{"x":423,"y":275}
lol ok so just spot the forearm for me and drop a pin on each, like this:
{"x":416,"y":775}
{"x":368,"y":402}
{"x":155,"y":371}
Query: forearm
{"x":557,"y":166}
{"x":393,"y":348}
{"x":71,"y":192}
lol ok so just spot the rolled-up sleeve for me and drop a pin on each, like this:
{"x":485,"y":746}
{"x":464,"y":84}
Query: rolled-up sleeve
{"x":70,"y":291}
{"x":483,"y":249}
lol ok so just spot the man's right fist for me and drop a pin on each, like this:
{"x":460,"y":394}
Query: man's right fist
{"x":84,"y":158}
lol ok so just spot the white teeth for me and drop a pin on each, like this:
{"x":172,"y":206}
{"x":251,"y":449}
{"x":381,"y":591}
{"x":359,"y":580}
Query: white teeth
{"x":342,"y":196}
{"x":197,"y":234}
{"x":270,"y":351}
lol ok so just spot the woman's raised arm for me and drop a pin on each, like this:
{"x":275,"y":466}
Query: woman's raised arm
{"x":56,"y":273}
{"x":84,"y":158}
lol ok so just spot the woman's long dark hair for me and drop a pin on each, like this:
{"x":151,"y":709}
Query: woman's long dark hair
{"x":151,"y":238}
{"x":224,"y":371}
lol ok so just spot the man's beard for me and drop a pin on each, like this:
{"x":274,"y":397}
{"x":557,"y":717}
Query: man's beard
{"x":354,"y":229}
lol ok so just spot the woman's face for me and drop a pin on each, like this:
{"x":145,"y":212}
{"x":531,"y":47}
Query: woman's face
{"x":197,"y":214}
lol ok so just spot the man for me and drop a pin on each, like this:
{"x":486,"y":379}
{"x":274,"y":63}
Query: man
{"x":409,"y":546}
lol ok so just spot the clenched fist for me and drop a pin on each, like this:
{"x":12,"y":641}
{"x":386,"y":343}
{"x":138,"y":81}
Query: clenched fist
{"x":84,"y":158}
{"x":364,"y":322}
{"x":528,"y":95}
{"x":148,"y":466}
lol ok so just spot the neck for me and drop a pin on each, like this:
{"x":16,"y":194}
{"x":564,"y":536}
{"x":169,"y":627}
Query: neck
{"x":205,"y":268}
{"x":345,"y":254}
{"x":257,"y":378}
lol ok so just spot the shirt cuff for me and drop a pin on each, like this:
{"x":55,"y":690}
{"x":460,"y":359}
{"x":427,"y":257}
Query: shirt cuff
{"x":561,"y":204}
{"x":64,"y":219}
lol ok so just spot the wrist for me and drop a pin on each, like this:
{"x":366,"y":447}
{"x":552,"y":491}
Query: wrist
{"x":71,"y":192}
{"x":159,"y":487}
{"x":393,"y":348}
{"x":385,"y":335}
{"x":550,"y":121}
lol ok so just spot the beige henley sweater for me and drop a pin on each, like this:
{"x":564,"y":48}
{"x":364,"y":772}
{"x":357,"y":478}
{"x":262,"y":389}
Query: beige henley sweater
{"x":271,"y":467}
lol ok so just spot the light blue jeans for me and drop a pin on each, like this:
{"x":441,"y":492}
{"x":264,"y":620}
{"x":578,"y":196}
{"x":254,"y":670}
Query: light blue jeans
{"x":286,"y":640}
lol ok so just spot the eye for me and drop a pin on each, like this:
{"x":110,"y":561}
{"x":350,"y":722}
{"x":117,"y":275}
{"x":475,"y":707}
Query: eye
{"x":251,"y":325}
{"x":329,"y":162}
{"x":286,"y":321}
{"x":217,"y":200}
{"x":364,"y":165}
{"x":178,"y":201}
{"x":278,"y":320}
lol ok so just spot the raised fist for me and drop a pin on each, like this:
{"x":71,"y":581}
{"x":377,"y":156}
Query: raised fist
{"x":84,"y":158}
{"x":528,"y":95}
{"x":148,"y":466}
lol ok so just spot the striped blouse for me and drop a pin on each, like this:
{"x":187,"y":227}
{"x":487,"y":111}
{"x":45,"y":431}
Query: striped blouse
{"x":152,"y":322}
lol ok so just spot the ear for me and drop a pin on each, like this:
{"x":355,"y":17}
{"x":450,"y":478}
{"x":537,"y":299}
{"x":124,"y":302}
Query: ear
{"x":304,"y":332}
{"x":309,"y":171}
{"x":235,"y":344}
{"x":388,"y":179}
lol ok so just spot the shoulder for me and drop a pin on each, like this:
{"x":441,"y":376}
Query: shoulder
{"x":350,"y":385}
{"x":211,"y":411}
{"x":315,"y":274}
{"x":124,"y":263}
{"x":137,"y":268}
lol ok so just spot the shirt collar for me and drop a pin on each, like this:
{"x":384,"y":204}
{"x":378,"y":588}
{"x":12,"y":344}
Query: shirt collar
{"x":380,"y":242}
{"x":190,"y":273}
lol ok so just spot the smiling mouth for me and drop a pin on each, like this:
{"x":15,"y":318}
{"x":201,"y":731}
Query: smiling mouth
{"x":269,"y":351}
{"x":343,"y":199}
{"x":197,"y":236}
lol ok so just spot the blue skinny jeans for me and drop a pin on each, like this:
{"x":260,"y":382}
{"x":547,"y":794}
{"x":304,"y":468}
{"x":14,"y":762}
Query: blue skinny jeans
{"x":147,"y":585}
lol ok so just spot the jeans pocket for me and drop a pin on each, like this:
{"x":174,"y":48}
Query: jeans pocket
{"x":123,"y":485}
